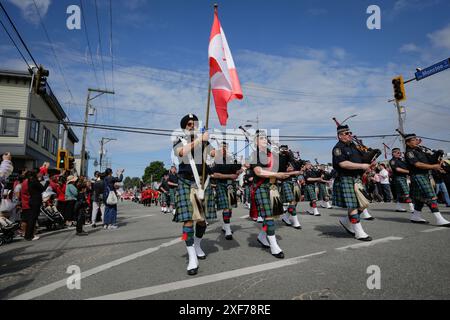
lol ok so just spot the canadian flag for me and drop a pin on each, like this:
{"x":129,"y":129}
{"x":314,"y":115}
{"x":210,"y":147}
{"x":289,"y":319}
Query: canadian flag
{"x":225,"y":83}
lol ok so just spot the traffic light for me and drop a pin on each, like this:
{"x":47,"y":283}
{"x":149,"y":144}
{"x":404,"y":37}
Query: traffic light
{"x":62,"y":160}
{"x":399,"y":88}
{"x":41,"y":80}
{"x":71,"y":161}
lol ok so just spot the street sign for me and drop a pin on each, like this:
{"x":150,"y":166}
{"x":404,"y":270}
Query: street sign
{"x":435,"y":68}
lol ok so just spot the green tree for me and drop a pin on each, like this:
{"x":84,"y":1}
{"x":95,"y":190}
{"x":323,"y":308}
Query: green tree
{"x":127,"y":183}
{"x":131,"y":182}
{"x":154,"y":172}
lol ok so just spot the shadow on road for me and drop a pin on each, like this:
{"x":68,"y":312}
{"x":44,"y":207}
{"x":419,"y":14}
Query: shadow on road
{"x":332,"y":231}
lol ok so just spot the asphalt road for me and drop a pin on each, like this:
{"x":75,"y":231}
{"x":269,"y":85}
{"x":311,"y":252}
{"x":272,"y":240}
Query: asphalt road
{"x":146,"y":259}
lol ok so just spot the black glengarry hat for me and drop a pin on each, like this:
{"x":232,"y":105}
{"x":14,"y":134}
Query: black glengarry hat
{"x":342,"y":128}
{"x":410,"y":136}
{"x":184,"y":121}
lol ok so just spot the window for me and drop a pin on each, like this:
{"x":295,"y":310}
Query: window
{"x":54,"y":145}
{"x":46,"y":139}
{"x":34,"y":130}
{"x":10,"y":126}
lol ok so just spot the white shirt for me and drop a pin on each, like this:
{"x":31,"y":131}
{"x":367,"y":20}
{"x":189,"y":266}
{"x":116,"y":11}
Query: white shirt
{"x":384,"y":177}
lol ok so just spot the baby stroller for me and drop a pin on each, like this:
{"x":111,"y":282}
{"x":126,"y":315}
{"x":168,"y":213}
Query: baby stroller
{"x":50,"y":217}
{"x":7,"y":228}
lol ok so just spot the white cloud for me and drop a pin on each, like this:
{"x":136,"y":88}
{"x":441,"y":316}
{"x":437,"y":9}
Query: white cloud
{"x":440,"y":38}
{"x":28,"y":9}
{"x":409,"y":47}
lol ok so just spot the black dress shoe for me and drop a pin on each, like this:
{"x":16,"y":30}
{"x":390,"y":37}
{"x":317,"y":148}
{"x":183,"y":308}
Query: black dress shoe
{"x":82,"y":233}
{"x":265,"y":246}
{"x":445,"y":225}
{"x":369,"y":219}
{"x":201,"y":257}
{"x":279,"y":255}
{"x":298,"y":228}
{"x":192,"y":272}
{"x":420,"y":222}
{"x":368,"y":238}
{"x":229,"y":237}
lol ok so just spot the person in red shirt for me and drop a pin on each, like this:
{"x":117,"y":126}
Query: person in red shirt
{"x":25,"y":201}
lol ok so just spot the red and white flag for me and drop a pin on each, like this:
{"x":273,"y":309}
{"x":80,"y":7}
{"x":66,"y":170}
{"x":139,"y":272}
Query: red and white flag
{"x":225,"y":83}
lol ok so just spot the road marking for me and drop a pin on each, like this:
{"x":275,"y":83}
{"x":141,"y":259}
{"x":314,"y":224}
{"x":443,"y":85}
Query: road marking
{"x":246,"y":216}
{"x":62,"y":283}
{"x":435,"y":229}
{"x":369,"y":243}
{"x":144,"y":292}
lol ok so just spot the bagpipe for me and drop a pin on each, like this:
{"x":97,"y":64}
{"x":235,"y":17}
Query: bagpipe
{"x":290,"y":158}
{"x":368,"y":154}
{"x":433,"y":156}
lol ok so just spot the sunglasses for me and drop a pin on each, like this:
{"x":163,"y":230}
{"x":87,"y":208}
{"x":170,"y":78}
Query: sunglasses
{"x":348,"y":133}
{"x":190,"y":124}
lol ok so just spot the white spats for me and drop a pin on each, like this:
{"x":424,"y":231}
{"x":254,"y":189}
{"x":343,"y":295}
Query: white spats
{"x":274,"y":248}
{"x":227,"y":229}
{"x":348,"y":226}
{"x":295,"y":222}
{"x":316,"y":212}
{"x":416,"y":217}
{"x":198,"y":249}
{"x":399,"y":207}
{"x":193,"y":262}
{"x":366,"y":215}
{"x":411,"y":207}
{"x":262,"y":238}
{"x":260,"y":219}
{"x":440,"y":221}
{"x":328,"y":205}
{"x":285,"y":219}
{"x":360,"y":234}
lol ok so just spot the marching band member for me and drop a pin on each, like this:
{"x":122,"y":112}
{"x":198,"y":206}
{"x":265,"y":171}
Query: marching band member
{"x":347,"y":161}
{"x":421,"y":190}
{"x":400,"y":173}
{"x":264,"y":192}
{"x":310,"y":188}
{"x":193,"y":204}
{"x":323,"y":197}
{"x":173,"y":185}
{"x":225,"y":174}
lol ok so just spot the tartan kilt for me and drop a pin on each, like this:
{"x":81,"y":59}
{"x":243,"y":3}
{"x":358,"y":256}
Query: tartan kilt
{"x":222,"y":196}
{"x":310,"y":192}
{"x":262,"y":198}
{"x":323,"y":192}
{"x":421,"y":189}
{"x":401,"y":187}
{"x":163,"y":197}
{"x":172,"y":194}
{"x":287,"y":192}
{"x":183,"y":205}
{"x":247,"y":194}
{"x":344,"y":195}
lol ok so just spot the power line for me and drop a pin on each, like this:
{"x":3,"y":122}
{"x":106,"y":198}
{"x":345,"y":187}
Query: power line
{"x":53,"y":50}
{"x":12,"y":40}
{"x":164,"y":132}
{"x":88,"y":42}
{"x":100,"y":42}
{"x":18,"y":34}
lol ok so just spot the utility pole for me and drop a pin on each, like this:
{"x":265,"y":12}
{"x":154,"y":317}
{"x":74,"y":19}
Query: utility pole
{"x":400,"y":123}
{"x":102,"y":152}
{"x":86,"y":114}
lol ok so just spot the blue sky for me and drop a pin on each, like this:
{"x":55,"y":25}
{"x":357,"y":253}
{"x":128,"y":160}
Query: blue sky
{"x":300,"y":63}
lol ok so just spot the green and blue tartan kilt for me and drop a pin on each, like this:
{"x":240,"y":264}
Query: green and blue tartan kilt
{"x":247,"y":194}
{"x":183,"y":205}
{"x":421,"y":189}
{"x":287,"y":192}
{"x":323,"y":192}
{"x":163,"y":197}
{"x":344,"y":195}
{"x":310,"y":192}
{"x":172,"y":195}
{"x":222,"y":196}
{"x":262,"y":198}
{"x":401,"y":187}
